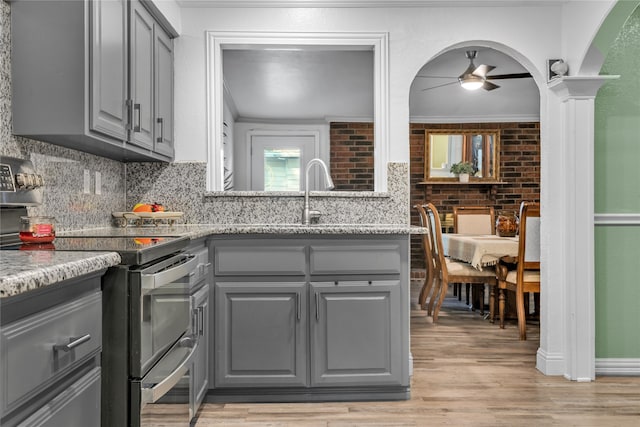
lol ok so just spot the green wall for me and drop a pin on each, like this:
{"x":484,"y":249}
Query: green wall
{"x":617,"y":190}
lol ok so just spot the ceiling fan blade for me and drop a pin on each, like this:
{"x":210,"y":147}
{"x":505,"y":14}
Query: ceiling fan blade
{"x":442,"y":85}
{"x":437,"y":77}
{"x":489,"y":86}
{"x":509,"y":76}
{"x":482,"y":70}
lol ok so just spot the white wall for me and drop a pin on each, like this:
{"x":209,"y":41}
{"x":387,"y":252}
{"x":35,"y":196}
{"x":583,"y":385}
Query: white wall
{"x":533,"y":34}
{"x":415,"y":36}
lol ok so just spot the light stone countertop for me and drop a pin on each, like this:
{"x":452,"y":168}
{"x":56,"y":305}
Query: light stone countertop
{"x":195,"y":231}
{"x":22,"y":271}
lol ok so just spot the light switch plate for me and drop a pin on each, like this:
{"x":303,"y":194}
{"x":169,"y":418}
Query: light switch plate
{"x":86,"y":188}
{"x":98,"y":183}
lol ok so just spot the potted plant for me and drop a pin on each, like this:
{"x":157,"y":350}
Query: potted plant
{"x":463,"y":170}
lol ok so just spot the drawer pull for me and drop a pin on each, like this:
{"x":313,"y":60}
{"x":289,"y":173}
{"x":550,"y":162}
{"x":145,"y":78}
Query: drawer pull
{"x":73,"y":343}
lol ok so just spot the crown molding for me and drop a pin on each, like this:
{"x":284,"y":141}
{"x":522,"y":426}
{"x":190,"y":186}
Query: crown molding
{"x":363,"y":3}
{"x":475,"y":119}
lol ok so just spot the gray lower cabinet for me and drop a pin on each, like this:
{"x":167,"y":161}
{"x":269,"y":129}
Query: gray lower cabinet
{"x":51,"y":341}
{"x":261,"y":337}
{"x":200,"y":371}
{"x":313,"y":318}
{"x":93,"y":75}
{"x":355,"y":337}
{"x":200,"y":306}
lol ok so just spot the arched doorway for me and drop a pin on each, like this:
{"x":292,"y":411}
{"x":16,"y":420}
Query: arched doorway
{"x":512,"y":108}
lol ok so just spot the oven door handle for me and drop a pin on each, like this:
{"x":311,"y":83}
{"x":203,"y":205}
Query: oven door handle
{"x":158,"y":280}
{"x":153,"y":394}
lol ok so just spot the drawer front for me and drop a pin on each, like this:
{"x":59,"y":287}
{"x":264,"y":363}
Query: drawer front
{"x":203,"y":263}
{"x":355,"y":258}
{"x":32,"y":352}
{"x":251,"y":258}
{"x":77,"y":405}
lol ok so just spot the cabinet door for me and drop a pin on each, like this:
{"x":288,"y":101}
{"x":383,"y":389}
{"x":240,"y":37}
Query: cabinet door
{"x":109,"y":68}
{"x":200,"y":371}
{"x":77,"y":405}
{"x":356,"y":332}
{"x":142,"y":37}
{"x":260,"y":334}
{"x":163,"y":136}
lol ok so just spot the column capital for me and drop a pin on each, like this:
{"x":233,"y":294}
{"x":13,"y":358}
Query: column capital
{"x":579,"y":87}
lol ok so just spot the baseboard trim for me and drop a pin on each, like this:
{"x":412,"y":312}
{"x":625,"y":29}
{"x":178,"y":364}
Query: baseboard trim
{"x":622,"y":367}
{"x":550,"y":364}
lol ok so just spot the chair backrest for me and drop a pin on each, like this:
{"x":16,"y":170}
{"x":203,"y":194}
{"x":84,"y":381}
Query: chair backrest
{"x":433,"y":220}
{"x":427,"y":241}
{"x":474,"y":220}
{"x":529,"y":244}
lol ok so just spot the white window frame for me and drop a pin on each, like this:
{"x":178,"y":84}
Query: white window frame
{"x":217,"y":41}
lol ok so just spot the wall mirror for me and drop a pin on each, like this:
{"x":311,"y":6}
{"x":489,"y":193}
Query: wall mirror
{"x":445,"y":147}
{"x":230,"y":46}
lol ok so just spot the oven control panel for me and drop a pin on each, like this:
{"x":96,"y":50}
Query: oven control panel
{"x":20,"y":185}
{"x":6,"y":178}
{"x":21,"y":181}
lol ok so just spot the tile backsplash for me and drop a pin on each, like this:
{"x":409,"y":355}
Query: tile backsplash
{"x":182,"y":187}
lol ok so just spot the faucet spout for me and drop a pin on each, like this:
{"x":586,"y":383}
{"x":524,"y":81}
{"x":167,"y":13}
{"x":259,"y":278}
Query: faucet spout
{"x":307,"y":213}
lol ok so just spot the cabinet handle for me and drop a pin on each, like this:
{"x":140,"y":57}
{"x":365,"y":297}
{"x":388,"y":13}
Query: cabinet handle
{"x":317,"y":306}
{"x":73,"y":343}
{"x":298,"y":307}
{"x":130,"y":114}
{"x":201,"y":326}
{"x":161,"y":137}
{"x":136,"y":108}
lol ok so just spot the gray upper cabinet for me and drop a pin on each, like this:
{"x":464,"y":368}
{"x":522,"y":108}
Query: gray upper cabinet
{"x":142,"y":53}
{"x":109,"y":71}
{"x":163,"y":135}
{"x":95,"y":76}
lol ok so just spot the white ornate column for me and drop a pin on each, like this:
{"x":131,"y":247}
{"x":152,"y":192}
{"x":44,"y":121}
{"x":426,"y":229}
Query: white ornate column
{"x":571,"y":331}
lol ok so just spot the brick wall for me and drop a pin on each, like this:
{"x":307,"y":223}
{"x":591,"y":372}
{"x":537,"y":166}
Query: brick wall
{"x":519,"y":168}
{"x":351,"y":158}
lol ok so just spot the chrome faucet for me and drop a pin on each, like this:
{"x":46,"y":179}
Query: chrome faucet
{"x":308,"y":214}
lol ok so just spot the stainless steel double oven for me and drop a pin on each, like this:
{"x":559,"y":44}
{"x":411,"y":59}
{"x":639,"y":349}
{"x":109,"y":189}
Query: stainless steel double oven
{"x":150,"y":320}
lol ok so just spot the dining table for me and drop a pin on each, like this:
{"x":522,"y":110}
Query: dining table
{"x":479,"y":250}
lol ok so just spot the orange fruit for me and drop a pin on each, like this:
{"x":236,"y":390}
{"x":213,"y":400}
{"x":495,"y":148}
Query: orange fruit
{"x":142,"y":207}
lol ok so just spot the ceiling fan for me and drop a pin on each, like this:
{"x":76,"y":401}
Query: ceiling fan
{"x":475,"y":77}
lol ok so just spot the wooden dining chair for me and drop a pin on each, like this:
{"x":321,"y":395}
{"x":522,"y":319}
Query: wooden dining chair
{"x":472,"y":220}
{"x":525,"y":277}
{"x":447,"y":270}
{"x":430,"y":268}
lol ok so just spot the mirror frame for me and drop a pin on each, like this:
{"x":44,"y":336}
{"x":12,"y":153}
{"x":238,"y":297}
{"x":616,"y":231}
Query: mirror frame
{"x":216,"y":41}
{"x":457,"y":131}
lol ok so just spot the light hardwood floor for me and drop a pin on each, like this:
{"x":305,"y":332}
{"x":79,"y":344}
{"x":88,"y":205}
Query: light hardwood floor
{"x":466,"y":371}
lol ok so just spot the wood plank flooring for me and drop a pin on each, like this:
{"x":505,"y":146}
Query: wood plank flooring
{"x":466,"y":371}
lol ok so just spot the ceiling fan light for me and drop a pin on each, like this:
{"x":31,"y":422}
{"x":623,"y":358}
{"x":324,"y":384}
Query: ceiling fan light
{"x":471,"y":82}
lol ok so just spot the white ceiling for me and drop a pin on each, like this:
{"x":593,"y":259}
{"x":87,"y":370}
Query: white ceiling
{"x":289,"y":85}
{"x":277,"y":85}
{"x":360,"y":3}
